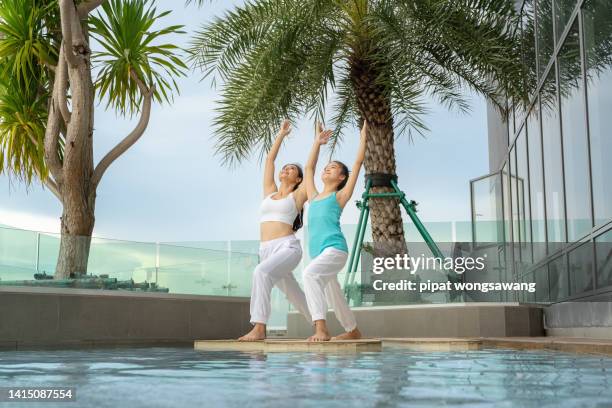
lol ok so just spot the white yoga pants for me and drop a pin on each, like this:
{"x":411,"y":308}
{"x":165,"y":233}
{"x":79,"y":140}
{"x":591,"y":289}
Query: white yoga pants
{"x":320,"y":281}
{"x":277,"y":260}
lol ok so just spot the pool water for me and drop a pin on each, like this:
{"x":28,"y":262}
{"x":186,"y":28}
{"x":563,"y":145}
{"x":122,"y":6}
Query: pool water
{"x":182,"y":377}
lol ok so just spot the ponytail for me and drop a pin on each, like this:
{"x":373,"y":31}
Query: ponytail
{"x":299,"y":220}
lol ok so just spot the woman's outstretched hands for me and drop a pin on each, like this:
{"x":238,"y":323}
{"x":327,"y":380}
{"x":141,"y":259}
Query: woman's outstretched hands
{"x":322,"y":136}
{"x":285,"y":128}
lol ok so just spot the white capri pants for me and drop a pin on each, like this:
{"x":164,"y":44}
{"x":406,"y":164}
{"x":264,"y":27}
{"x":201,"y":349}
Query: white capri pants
{"x":277,"y":260}
{"x":321,"y":281}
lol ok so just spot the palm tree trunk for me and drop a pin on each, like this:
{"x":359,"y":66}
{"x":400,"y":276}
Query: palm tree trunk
{"x":374,"y":106}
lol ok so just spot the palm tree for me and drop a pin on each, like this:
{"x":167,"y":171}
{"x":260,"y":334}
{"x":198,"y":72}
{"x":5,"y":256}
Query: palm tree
{"x":376,"y":60}
{"x":47,"y":95}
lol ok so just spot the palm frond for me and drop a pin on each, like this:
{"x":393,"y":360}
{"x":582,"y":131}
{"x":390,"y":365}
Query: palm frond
{"x":198,"y":3}
{"x":222,"y":45}
{"x":465,"y":43}
{"x":344,"y":110}
{"x":130,"y":45}
{"x":286,"y":72}
{"x":287,"y":58}
{"x":25,"y":46}
{"x":23,"y":119}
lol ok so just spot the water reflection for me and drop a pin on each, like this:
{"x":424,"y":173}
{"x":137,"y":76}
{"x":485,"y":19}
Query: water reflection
{"x":395,"y":377}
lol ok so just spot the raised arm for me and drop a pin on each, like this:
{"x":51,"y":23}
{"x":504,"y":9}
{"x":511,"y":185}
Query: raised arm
{"x":345,"y":194}
{"x":321,"y":137}
{"x":269,"y":185}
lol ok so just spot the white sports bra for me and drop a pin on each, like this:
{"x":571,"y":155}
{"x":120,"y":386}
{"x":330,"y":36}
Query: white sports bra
{"x":283,"y":210}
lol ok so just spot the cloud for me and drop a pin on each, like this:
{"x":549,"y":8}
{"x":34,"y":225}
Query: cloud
{"x":29,"y":221}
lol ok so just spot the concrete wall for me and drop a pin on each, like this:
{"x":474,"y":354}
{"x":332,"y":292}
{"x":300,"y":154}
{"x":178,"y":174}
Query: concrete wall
{"x":439,"y":320}
{"x":579,"y":319}
{"x":46,"y":317}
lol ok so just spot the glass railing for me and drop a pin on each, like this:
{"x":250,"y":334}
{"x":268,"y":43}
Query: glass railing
{"x":220,"y":268}
{"x":197,"y":270}
{"x":436,"y":281}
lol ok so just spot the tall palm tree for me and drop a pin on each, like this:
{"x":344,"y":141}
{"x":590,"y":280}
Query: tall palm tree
{"x":47,"y":95}
{"x":377,"y":60}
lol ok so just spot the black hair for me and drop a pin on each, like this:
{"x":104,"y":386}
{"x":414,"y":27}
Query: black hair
{"x":299,"y":220}
{"x":345,"y":172}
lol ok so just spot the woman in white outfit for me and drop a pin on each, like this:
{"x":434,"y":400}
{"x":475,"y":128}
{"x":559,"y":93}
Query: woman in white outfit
{"x":326,"y":244}
{"x":279,"y":250}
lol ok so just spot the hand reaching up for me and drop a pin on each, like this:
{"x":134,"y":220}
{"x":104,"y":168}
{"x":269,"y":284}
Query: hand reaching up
{"x":285,"y":128}
{"x":322,"y":136}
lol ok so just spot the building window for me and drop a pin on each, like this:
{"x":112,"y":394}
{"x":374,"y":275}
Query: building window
{"x":603,"y":256}
{"x":553,"y":170}
{"x":563,"y":12}
{"x":529,"y":297}
{"x":575,"y":143}
{"x":558,"y":282}
{"x":515,"y":202}
{"x":544,"y":34}
{"x":597,"y":18}
{"x":522,"y":182}
{"x":506,"y":198}
{"x":528,"y":40}
{"x":486,"y":207}
{"x":581,"y":269}
{"x":536,"y":184}
{"x":508,"y":254}
{"x":541,"y":281}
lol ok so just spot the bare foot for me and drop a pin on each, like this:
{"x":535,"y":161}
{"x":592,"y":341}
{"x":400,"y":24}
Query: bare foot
{"x":320,"y":335}
{"x":321,"y":332}
{"x":256,"y":334}
{"x":354,"y":334}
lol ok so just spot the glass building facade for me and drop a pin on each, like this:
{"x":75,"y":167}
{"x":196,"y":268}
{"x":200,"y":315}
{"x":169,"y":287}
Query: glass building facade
{"x":550,"y":194}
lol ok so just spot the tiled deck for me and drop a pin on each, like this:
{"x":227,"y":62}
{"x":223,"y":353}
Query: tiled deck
{"x":289,"y":345}
{"x":571,"y":345}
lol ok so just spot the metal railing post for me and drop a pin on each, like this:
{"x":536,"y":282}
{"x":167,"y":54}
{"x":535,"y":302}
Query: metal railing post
{"x":156,"y":262}
{"x":38,"y":252}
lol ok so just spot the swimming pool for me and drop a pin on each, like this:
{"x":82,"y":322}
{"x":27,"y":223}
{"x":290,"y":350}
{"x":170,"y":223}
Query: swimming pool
{"x":182,"y":377}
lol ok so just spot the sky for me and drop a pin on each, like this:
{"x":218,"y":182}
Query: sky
{"x":170,"y":186}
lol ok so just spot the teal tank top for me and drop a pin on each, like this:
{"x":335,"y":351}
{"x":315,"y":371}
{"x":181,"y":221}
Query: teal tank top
{"x":324,"y":226}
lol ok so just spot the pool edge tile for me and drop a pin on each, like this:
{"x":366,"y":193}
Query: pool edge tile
{"x":290,"y":345}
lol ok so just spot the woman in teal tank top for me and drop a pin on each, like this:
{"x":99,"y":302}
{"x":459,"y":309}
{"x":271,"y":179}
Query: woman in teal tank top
{"x":324,"y":222}
{"x":326,"y":243}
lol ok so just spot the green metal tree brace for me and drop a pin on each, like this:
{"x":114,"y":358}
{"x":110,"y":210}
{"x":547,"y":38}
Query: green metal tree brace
{"x":409,"y":206}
